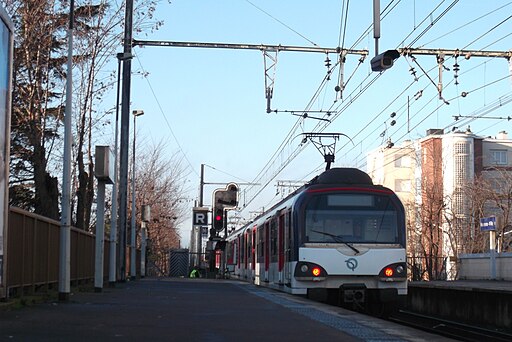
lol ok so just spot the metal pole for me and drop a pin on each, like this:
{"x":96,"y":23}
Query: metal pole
{"x":125,"y":133}
{"x":65,"y":230}
{"x":376,"y":24}
{"x":133,"y":271}
{"x":100,"y":236}
{"x":143,"y":237}
{"x":201,"y":185}
{"x":113,"y":223}
{"x":492,"y":253}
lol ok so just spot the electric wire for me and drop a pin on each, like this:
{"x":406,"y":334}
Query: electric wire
{"x":165,"y":118}
{"x":410,"y":85}
{"x":490,"y":30}
{"x":501,"y":101}
{"x":479,"y":87}
{"x":340,"y":109}
{"x":433,"y":68}
{"x":282,"y":23}
{"x":449,"y":8}
{"x":467,"y":24}
{"x":386,"y":11}
{"x":421,"y":23}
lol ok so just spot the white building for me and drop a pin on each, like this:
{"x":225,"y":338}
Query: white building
{"x":432,"y":175}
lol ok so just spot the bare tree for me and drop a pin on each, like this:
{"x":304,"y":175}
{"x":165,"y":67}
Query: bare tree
{"x":431,"y":210}
{"x":38,"y":95}
{"x":491,"y":194}
{"x":99,"y":41}
{"x":36,"y":108}
{"x":161,"y":184}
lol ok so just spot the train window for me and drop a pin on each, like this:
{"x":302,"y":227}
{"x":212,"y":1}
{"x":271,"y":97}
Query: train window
{"x":242,"y":250}
{"x":261,"y":243}
{"x":352,"y":200}
{"x":351,"y":218}
{"x":273,"y":240}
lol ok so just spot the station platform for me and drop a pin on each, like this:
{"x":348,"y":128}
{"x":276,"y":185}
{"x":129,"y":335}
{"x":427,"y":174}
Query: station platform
{"x":484,"y":303}
{"x":174,"y":309}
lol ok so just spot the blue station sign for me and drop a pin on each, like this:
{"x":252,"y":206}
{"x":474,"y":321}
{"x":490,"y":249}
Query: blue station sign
{"x":487,"y":223}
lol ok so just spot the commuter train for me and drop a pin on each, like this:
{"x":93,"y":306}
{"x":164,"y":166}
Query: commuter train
{"x":339,"y":236}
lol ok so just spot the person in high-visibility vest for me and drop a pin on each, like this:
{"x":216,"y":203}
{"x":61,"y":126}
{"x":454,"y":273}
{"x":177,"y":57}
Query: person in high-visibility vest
{"x":194,"y":273}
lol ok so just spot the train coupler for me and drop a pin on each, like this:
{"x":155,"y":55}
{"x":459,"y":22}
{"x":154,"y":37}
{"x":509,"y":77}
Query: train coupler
{"x":353,"y":293}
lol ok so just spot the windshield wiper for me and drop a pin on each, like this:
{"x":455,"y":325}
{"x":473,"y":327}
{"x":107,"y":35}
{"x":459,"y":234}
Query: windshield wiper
{"x":337,"y":238}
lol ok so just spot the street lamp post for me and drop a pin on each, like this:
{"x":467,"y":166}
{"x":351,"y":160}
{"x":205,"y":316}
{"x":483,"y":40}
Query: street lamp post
{"x":133,"y":270}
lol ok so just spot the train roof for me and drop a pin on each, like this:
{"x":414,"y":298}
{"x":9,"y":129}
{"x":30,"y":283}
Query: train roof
{"x":334,"y":176}
{"x":342,"y":175}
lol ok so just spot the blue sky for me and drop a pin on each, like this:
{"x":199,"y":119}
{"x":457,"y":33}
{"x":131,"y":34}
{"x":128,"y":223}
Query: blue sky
{"x":209,"y":104}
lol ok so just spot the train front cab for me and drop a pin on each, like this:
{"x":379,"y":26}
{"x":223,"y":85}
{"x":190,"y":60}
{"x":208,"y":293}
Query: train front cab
{"x":352,"y":246}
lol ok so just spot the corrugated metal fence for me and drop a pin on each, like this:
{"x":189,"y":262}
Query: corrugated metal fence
{"x":33,"y":254}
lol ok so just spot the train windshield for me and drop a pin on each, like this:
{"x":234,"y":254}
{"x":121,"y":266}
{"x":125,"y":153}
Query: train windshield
{"x":352,"y":218}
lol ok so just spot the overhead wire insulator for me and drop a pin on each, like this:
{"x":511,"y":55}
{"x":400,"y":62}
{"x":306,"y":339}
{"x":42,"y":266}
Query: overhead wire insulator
{"x":327,"y":62}
{"x":328,"y":66}
{"x":413,"y":73}
{"x":456,"y":69}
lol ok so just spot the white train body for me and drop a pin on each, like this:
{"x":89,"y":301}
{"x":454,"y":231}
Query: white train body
{"x":338,"y":234}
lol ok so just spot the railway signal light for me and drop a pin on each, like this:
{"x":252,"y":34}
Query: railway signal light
{"x":223,"y":200}
{"x":218,"y":218}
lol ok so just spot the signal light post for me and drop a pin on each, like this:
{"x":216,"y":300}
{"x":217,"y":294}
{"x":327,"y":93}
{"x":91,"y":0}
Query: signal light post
{"x":223,"y":200}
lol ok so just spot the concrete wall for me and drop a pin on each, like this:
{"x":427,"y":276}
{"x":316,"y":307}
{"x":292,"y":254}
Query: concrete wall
{"x":474,"y":304}
{"x":477,"y":266}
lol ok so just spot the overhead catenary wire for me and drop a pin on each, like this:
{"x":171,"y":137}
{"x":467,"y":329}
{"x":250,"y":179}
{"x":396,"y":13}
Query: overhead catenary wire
{"x":381,"y":112}
{"x":165,"y":118}
{"x":340,"y":106}
{"x":467,"y":24}
{"x":482,"y":112}
{"x":282,"y":23}
{"x":450,"y":7}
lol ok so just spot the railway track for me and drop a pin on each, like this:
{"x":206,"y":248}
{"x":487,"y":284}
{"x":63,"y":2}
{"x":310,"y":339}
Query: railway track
{"x":455,"y":330}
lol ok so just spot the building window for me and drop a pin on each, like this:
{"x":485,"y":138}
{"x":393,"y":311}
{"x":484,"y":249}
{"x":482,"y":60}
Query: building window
{"x":403,"y":185}
{"x":403,"y":161}
{"x":499,"y":157}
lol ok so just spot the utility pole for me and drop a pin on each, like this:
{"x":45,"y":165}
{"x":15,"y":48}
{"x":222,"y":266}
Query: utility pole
{"x":65,"y":229}
{"x":124,"y":142}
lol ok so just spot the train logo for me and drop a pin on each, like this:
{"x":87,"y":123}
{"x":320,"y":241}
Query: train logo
{"x":351,"y":264}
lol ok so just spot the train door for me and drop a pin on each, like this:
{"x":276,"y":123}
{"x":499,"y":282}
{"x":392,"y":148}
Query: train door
{"x":280,"y":248}
{"x":260,"y":254}
{"x":248,"y":256}
{"x":238,"y":268}
{"x":253,"y":252}
{"x":273,"y":271}
{"x":244,"y":254}
{"x":288,"y":245}
{"x":266,"y":250}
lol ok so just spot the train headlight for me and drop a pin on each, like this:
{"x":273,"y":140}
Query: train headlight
{"x":309,"y":271}
{"x":393,"y":272}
